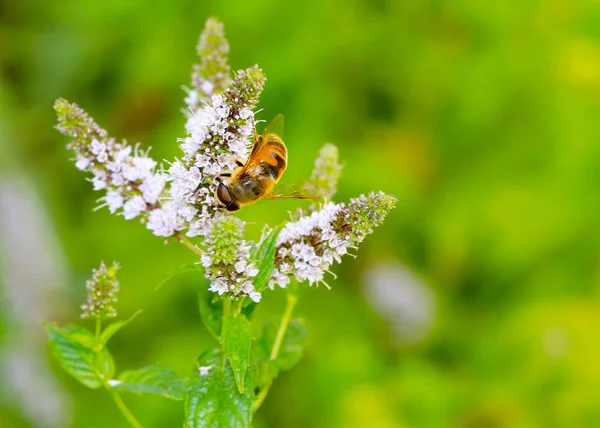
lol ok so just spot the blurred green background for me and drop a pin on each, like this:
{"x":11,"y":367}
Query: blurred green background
{"x":480,"y":117}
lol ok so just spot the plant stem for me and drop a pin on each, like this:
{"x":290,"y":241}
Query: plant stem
{"x":226,"y":313}
{"x":285,"y":322}
{"x":186,"y":241}
{"x":292,"y":299}
{"x":98,"y":327}
{"x":226,"y":307}
{"x":124,"y":410}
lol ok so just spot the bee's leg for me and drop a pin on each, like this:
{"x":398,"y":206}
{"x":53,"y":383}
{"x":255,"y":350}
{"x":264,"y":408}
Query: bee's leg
{"x":217,"y":178}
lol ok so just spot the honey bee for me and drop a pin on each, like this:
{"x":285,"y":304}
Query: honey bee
{"x":256,"y":178}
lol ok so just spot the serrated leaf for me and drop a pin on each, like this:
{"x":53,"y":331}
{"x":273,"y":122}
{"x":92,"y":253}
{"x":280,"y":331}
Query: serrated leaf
{"x":289,"y":354}
{"x":154,"y":379}
{"x":213,"y":401}
{"x":237,"y":340}
{"x":211,"y":311}
{"x":264,"y":257}
{"x":73,"y":348}
{"x":114,"y":327}
{"x":176,"y":271}
{"x":79,"y":334}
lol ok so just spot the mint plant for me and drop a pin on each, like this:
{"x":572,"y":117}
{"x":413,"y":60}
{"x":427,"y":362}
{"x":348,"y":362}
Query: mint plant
{"x":229,"y":383}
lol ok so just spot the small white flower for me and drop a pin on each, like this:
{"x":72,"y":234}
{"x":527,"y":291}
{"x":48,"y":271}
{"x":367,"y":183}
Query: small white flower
{"x":114,"y":200}
{"x":192,"y":98}
{"x":219,"y":286}
{"x":99,"y":180}
{"x":122,"y":154}
{"x":251,"y":271}
{"x":204,"y":370}
{"x":102,"y":157}
{"x":206,"y":260}
{"x":152,"y":187}
{"x":117,"y":179}
{"x":164,"y":220}
{"x":240,"y":266}
{"x":246,"y":114}
{"x":134,"y":207}
{"x":207,"y":87}
{"x":113,"y":382}
{"x":82,"y":162}
{"x":96,"y":147}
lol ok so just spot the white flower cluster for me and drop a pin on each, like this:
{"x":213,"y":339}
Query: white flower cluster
{"x":132,"y":185}
{"x":218,"y":135}
{"x":308,"y":247}
{"x":128,"y":176}
{"x":102,"y":293}
{"x":226,"y":260}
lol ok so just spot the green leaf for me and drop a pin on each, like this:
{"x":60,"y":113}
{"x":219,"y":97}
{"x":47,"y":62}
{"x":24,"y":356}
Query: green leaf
{"x":289,"y":354}
{"x":264,"y":257}
{"x":265,"y":372}
{"x":178,"y":270}
{"x":211,"y":311}
{"x":213,"y":401}
{"x":73,"y":347}
{"x":237,"y":339}
{"x":114,"y":327}
{"x":154,"y":379}
{"x":248,"y":307}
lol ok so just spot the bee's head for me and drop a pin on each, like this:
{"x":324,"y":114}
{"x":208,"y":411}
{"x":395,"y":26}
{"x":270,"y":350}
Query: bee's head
{"x":225,"y":198}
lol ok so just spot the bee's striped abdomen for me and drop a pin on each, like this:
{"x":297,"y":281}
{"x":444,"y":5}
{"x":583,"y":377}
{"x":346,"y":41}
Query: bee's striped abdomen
{"x":273,"y":158}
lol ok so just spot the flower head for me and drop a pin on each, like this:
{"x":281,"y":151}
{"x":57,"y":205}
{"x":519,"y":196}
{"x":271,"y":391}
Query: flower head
{"x":327,"y":171}
{"x":213,"y":74}
{"x":226,"y":260}
{"x":128,"y":176}
{"x":102,"y":293}
{"x":308,"y":247}
{"x":218,"y":135}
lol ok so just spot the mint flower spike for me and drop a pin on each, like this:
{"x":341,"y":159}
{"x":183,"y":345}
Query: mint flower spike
{"x":102,"y":293}
{"x":226,"y":260}
{"x":327,"y":171}
{"x":213,"y":74}
{"x":218,"y":134}
{"x":308,"y":247}
{"x":126,"y":175}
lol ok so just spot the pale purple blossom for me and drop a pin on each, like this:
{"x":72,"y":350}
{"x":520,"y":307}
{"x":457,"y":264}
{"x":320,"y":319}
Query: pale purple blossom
{"x":306,"y":248}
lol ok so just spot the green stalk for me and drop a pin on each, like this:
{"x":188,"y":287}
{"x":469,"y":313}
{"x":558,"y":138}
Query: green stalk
{"x":114,"y":394}
{"x":98,"y":327}
{"x":185,"y":241}
{"x":292,"y":299}
{"x":123,"y":408}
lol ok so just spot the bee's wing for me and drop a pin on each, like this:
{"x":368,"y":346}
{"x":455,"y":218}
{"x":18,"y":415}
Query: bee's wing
{"x":304,"y":191}
{"x":274,"y":127}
